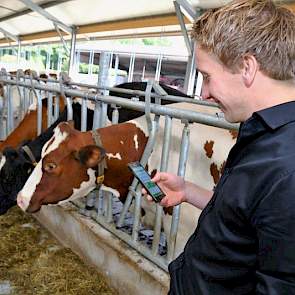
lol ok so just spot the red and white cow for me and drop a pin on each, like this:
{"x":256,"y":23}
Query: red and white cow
{"x":61,"y":176}
{"x":27,"y":128}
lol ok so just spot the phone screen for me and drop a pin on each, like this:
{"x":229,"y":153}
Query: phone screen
{"x":144,"y":178}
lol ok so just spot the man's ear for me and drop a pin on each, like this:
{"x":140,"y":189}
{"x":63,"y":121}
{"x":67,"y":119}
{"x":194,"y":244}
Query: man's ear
{"x":91,"y":155}
{"x":250,"y":67}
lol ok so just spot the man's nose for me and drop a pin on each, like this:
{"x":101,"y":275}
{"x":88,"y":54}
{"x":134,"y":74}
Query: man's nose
{"x":205,"y":93}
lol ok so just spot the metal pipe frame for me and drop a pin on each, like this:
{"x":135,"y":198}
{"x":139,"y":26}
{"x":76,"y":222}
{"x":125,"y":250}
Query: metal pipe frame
{"x":47,"y":15}
{"x":105,"y":217}
{"x":181,"y":172}
{"x":211,"y":120}
{"x":135,"y":92}
{"x":163,"y":167}
{"x":9,"y":35}
{"x":183,"y":28}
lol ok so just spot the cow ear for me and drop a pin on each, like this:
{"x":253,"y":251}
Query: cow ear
{"x":91,"y":155}
{"x":71,"y":123}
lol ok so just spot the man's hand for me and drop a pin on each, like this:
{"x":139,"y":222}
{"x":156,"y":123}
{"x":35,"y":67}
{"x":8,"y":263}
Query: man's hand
{"x":172,"y":185}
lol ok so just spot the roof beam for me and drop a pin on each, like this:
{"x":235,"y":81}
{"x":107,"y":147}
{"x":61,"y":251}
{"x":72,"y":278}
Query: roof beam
{"x":27,"y":11}
{"x":186,"y":37}
{"x":188,"y":8}
{"x":131,"y":23}
{"x":47,"y":15}
{"x":9,"y":35}
{"x":142,"y":22}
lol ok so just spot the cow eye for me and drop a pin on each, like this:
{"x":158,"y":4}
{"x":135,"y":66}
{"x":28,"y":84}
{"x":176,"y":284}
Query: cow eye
{"x":49,"y":167}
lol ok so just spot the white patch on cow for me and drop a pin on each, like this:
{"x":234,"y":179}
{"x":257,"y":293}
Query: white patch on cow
{"x":121,"y":141}
{"x":111,"y":190}
{"x":25,"y":195}
{"x":140,"y":125}
{"x":85,"y":188}
{"x":135,"y":138}
{"x":59,"y":137}
{"x":2,"y":162}
{"x":32,"y":107}
{"x":90,"y":104}
{"x":116,"y":156}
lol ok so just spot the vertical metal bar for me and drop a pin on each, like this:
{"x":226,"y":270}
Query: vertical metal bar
{"x":69,"y":108}
{"x":137,"y":214}
{"x":109,"y":200}
{"x":2,"y":130}
{"x":115,"y":115}
{"x":58,"y":60}
{"x":49,"y":108}
{"x":146,"y":154}
{"x":103,"y":116}
{"x":158,"y":68}
{"x":143,"y":70}
{"x":10,"y":113}
{"x":116,"y":68}
{"x":183,"y":28}
{"x":84,"y":115}
{"x":176,"y":210}
{"x":91,"y":56}
{"x":190,"y":74}
{"x":97,"y":115}
{"x":21,"y":109}
{"x":131,"y":67}
{"x":25,"y":96}
{"x":18,"y":53}
{"x":56,"y":106}
{"x":100,"y":110}
{"x":90,"y":202}
{"x":100,"y":202}
{"x":47,"y":61}
{"x":152,"y":128}
{"x":164,"y":166}
{"x":198,"y":89}
{"x":72,"y":60}
{"x":39,"y":113}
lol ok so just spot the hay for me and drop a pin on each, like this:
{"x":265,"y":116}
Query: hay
{"x":34,"y":263}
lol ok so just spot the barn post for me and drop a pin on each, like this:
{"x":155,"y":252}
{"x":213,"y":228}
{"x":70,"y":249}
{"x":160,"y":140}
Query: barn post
{"x":72,"y":60}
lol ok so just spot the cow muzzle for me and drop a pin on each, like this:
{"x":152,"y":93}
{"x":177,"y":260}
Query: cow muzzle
{"x":22,"y":202}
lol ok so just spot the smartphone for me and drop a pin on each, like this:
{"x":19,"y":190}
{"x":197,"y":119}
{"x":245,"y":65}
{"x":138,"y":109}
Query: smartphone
{"x":145,"y":179}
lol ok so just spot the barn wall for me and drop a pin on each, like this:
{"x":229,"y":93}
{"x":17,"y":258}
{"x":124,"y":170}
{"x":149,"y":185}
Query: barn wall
{"x":125,"y":270}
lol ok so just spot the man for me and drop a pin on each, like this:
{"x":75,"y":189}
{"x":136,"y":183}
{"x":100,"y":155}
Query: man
{"x":244,"y":242}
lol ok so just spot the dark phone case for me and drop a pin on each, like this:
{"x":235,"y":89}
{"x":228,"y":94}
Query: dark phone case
{"x":156,"y":197}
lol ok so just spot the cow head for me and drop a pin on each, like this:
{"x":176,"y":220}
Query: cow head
{"x":14,"y":171}
{"x":67,"y":170}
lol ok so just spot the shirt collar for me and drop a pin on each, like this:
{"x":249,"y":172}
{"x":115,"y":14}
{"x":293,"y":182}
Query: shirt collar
{"x":277,"y":116}
{"x":270,"y":118}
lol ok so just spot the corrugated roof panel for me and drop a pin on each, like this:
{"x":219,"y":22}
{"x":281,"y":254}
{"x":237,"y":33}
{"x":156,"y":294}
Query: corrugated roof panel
{"x":91,"y":11}
{"x":83,"y":12}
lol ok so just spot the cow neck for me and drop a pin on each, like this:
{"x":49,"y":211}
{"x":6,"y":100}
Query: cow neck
{"x":102,"y":165}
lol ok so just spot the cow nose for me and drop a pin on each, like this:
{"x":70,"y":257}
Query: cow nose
{"x":21,"y":202}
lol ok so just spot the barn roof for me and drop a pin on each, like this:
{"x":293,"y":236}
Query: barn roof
{"x":92,"y":18}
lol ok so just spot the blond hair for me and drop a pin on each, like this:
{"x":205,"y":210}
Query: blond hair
{"x":257,"y":27}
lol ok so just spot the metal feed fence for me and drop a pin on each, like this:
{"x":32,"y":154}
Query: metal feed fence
{"x":123,"y":220}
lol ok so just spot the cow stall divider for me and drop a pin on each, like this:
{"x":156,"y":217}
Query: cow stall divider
{"x":17,"y":99}
{"x":100,"y":205}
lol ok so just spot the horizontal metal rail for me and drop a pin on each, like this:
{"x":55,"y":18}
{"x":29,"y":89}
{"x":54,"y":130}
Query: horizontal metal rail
{"x":211,"y":120}
{"x":129,"y":91}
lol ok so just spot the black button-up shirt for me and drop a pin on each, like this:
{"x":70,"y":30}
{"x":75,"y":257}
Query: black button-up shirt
{"x":245,"y":239}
